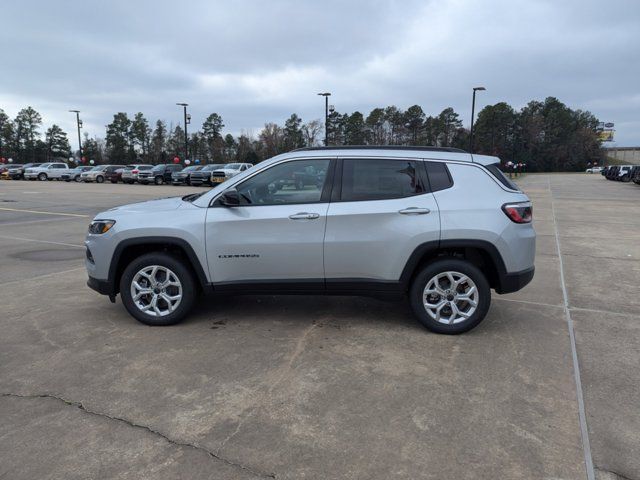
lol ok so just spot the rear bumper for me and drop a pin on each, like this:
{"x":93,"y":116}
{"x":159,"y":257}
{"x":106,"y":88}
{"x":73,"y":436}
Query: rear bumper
{"x":512,"y":282}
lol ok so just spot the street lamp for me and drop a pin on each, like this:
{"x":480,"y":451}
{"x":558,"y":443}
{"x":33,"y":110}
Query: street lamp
{"x":326,"y":96}
{"x":473,"y":108}
{"x":187,"y":120}
{"x":79,"y":124}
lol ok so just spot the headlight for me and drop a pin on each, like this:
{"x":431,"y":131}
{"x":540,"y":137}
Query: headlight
{"x":98,"y":227}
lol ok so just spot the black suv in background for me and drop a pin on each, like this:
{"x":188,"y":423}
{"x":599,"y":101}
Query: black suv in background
{"x":204,"y":174}
{"x":184,"y":176}
{"x":634,"y":175}
{"x":159,"y":174}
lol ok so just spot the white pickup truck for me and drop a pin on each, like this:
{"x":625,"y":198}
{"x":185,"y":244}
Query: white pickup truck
{"x":46,"y":171}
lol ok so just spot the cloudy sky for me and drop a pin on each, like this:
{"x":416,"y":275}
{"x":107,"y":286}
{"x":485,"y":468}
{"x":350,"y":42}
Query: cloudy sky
{"x":259,"y":61}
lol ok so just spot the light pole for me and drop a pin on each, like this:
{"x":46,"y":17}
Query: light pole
{"x":79,"y":123}
{"x":326,"y":96}
{"x":187,"y":119}
{"x":473,"y":109}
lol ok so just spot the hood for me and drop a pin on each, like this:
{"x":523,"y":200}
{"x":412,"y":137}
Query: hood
{"x":225,"y":170}
{"x":162,"y":204}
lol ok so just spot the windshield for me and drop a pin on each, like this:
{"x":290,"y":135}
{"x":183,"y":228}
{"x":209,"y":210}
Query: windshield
{"x":190,"y":169}
{"x":234,"y":166}
{"x":157,"y":168}
{"x":96,"y":169}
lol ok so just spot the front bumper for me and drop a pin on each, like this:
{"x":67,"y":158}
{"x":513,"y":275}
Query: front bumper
{"x":103,"y":287}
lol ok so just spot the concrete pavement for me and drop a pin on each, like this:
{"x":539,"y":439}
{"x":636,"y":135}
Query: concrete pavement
{"x":312,"y":387}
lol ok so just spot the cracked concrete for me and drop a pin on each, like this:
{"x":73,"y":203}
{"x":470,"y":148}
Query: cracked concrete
{"x":310,"y":387}
{"x":80,"y":406}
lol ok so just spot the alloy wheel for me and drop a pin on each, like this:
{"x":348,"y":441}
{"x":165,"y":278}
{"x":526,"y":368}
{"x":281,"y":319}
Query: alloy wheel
{"x":450,"y":297}
{"x":156,"y":290}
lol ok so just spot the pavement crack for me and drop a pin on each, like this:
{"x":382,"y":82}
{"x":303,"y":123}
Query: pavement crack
{"x":618,"y":475}
{"x":133,"y":424}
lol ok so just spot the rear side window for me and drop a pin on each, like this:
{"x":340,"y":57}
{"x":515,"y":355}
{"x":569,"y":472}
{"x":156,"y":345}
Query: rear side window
{"x":439,"y":176}
{"x":494,"y":168}
{"x":379,"y":179}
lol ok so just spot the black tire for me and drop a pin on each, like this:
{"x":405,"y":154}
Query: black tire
{"x":99,"y":179}
{"x":158,"y":180}
{"x":78,"y":179}
{"x":455,"y":265}
{"x":184,"y":275}
{"x":42,"y":177}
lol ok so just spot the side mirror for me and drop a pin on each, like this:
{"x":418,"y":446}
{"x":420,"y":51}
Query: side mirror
{"x":230,"y":198}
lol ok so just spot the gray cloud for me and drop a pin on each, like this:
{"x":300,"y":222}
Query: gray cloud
{"x":254,"y":61}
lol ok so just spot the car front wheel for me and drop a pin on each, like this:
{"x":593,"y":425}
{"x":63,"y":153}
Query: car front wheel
{"x":42,"y":177}
{"x":159,"y":181}
{"x":99,"y":179}
{"x":450,"y":296}
{"x":157,"y":289}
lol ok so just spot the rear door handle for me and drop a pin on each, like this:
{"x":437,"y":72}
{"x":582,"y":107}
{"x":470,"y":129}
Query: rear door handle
{"x":304,"y":216}
{"x":414,"y":211}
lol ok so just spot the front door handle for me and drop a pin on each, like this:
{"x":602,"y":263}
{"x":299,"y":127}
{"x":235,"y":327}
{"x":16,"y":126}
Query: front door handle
{"x":304,"y":216}
{"x":414,"y":211}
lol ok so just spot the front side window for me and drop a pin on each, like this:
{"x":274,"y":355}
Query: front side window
{"x":379,"y":179}
{"x":300,"y":181}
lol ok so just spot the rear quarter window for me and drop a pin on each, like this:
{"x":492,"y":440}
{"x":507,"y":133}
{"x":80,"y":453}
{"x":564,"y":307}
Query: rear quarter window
{"x":494,"y":169}
{"x":439,"y":176}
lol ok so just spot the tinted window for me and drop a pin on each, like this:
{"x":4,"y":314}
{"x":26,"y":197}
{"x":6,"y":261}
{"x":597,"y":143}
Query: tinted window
{"x":439,"y":176}
{"x":379,"y":179}
{"x":300,"y":181}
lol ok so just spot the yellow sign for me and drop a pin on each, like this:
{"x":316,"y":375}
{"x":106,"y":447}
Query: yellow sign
{"x":605,"y":135}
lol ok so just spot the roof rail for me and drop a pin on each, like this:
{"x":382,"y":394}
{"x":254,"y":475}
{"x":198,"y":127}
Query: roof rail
{"x":383,"y":147}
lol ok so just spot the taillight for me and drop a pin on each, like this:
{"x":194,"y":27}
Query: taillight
{"x":521,"y":212}
{"x":134,"y":171}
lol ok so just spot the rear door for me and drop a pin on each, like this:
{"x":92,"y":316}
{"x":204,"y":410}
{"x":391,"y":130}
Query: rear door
{"x":381,"y":210}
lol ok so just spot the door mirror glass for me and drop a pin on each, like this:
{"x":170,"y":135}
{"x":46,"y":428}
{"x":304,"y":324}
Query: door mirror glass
{"x":230,"y":198}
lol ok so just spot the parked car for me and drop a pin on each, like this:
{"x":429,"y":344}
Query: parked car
{"x":204,"y":174}
{"x":159,"y":174}
{"x":227,"y":171}
{"x":634,"y":174}
{"x":46,"y":171}
{"x":183,"y":177}
{"x":16,"y":172}
{"x":131,"y":175}
{"x":74,"y":173}
{"x":435,"y":224}
{"x":623,"y":173}
{"x":114,"y":175}
{"x":97,"y":174}
{"x":612,"y":172}
{"x":594,"y":170}
{"x":6,"y":168}
{"x":604,"y":171}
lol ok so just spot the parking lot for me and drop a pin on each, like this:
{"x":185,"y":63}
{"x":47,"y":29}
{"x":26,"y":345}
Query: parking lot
{"x":321,"y":387}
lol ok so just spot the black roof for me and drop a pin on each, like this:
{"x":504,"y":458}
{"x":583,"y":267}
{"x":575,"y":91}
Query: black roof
{"x":384,"y":147}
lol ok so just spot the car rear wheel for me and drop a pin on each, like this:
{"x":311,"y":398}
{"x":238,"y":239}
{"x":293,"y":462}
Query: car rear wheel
{"x":450,"y":296}
{"x":99,"y":179}
{"x":42,"y":177}
{"x":157,"y":289}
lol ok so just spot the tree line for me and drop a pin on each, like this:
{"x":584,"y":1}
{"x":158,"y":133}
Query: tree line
{"x":546,"y":136}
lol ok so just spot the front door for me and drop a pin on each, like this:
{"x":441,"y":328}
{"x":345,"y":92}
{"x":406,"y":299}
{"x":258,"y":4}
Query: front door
{"x":276,"y":233}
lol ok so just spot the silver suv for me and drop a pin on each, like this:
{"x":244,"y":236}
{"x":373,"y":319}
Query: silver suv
{"x":438,"y":225}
